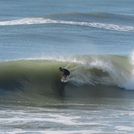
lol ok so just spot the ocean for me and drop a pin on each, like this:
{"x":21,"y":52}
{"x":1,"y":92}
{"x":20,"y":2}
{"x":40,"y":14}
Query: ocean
{"x":93,"y":39}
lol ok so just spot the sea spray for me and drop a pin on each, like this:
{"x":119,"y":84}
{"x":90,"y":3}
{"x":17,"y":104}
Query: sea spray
{"x":130,"y":80}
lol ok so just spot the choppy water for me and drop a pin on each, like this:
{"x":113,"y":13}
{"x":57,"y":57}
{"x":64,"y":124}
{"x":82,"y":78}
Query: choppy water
{"x":96,"y":118}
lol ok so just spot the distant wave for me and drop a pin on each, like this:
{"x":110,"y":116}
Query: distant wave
{"x":31,"y":21}
{"x":100,"y":16}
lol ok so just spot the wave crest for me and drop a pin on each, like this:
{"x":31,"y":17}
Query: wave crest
{"x":31,"y":21}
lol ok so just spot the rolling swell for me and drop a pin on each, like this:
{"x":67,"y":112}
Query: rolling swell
{"x":95,"y":16}
{"x":90,"y":76}
{"x":90,"y":24}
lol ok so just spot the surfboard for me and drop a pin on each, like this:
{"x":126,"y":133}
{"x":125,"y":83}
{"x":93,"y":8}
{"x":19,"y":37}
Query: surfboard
{"x":64,"y":80}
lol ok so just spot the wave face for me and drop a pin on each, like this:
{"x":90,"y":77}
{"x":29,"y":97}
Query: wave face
{"x":89,"y":70}
{"x":31,"y":21}
{"x":41,"y":78}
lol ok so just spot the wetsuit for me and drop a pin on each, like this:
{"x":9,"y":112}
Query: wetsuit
{"x":65,"y":72}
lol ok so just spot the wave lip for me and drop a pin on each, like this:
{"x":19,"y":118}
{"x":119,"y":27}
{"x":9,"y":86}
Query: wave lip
{"x":31,"y":21}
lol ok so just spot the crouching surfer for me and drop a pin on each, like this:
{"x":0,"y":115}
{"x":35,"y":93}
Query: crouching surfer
{"x":64,"y":79}
{"x":65,"y":74}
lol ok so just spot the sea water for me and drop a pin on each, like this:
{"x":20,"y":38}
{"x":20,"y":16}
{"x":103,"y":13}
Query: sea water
{"x":93,"y":39}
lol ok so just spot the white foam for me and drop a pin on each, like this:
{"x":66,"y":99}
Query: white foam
{"x":124,"y":128}
{"x":73,"y":132}
{"x":69,"y":59}
{"x":20,"y":131}
{"x":118,"y":74}
{"x":82,"y":74}
{"x":29,"y":21}
{"x":129,"y":84}
{"x":65,"y":121}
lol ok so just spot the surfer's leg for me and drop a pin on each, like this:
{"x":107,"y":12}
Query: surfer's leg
{"x":64,"y":77}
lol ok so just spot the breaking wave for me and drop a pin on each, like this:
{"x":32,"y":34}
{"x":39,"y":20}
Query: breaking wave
{"x":31,"y":21}
{"x":41,"y":78}
{"x":90,"y":70}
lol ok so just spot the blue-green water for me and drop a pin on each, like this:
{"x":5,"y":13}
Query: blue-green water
{"x":91,"y":38}
{"x":44,"y":28}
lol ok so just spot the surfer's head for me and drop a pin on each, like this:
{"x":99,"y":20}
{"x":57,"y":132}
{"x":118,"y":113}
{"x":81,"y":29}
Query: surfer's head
{"x":60,"y":68}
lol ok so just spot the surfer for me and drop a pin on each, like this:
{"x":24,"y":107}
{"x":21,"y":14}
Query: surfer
{"x":65,"y":74}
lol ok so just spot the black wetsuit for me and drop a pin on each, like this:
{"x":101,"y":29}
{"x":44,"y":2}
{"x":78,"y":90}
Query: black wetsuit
{"x":65,"y":72}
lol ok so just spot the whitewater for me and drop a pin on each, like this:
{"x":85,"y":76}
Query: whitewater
{"x":29,"y":21}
